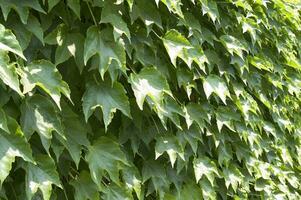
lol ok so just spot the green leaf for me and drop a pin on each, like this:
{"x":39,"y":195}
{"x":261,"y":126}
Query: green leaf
{"x":21,"y":7}
{"x":215,"y":84}
{"x":39,"y":114}
{"x":178,"y":46}
{"x":173,"y":6}
{"x":205,"y":166}
{"x":41,"y":176}
{"x":192,"y":114}
{"x":149,"y":83}
{"x":261,"y":63}
{"x":110,"y":15}
{"x":3,"y":121}
{"x":44,"y":74}
{"x":207,"y":189}
{"x":74,"y":6}
{"x":147,"y":12}
{"x":12,"y":146}
{"x":68,"y":44}
{"x":72,"y":45}
{"x":33,"y":25}
{"x":171,"y":110}
{"x":226,"y":116}
{"x":233,"y":45}
{"x":155,"y":171}
{"x":105,"y":155}
{"x":8,"y":73}
{"x":114,"y":192}
{"x":75,"y":132}
{"x":109,"y":98}
{"x":185,"y":80}
{"x":110,"y":53}
{"x":84,"y":187}
{"x":52,"y":3}
{"x":8,"y":41}
{"x":209,"y":7}
{"x":132,"y":180}
{"x":170,"y":145}
{"x":232,"y":176}
{"x":190,"y":191}
{"x":225,"y":154}
{"x":193,"y":136}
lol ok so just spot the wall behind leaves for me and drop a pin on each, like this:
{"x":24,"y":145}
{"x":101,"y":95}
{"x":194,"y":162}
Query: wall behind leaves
{"x":150,"y":99}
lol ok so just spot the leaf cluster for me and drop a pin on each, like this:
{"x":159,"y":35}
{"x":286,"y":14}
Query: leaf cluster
{"x":150,"y":99}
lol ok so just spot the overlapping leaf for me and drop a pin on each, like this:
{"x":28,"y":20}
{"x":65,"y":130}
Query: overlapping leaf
{"x":105,"y":155}
{"x":208,"y":93}
{"x":44,"y":74}
{"x":109,"y":53}
{"x":109,"y":98}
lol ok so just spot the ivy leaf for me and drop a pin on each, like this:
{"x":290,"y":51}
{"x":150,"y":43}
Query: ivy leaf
{"x":110,"y":53}
{"x":261,"y":63}
{"x":132,"y":180}
{"x":105,"y":155}
{"x":114,"y":192}
{"x":149,"y":83}
{"x":52,"y":3}
{"x":185,"y":80}
{"x":75,"y":132}
{"x":12,"y":146}
{"x":178,"y":46}
{"x":193,"y":136}
{"x":209,"y":7}
{"x":173,"y":6}
{"x":169,"y":109}
{"x":233,"y":45}
{"x":72,"y":45}
{"x":68,"y":44}
{"x":41,"y":176}
{"x":8,"y":73}
{"x":205,"y":166}
{"x":33,"y":25}
{"x":148,"y":13}
{"x":207,"y":189}
{"x":3,"y":121}
{"x":21,"y":7}
{"x":39,"y":114}
{"x":84,"y":187}
{"x":192,"y":114}
{"x":108,"y":97}
{"x":215,"y":84}
{"x":224,"y":154}
{"x":8,"y":41}
{"x":232,"y":176}
{"x":44,"y":74}
{"x":190,"y":191}
{"x":226,"y":116}
{"x":74,"y":5}
{"x":157,"y":173}
{"x":170,"y":145}
{"x":110,"y":15}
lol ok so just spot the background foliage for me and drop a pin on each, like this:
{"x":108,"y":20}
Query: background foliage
{"x":150,"y":99}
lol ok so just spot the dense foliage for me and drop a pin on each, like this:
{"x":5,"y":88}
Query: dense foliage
{"x":150,"y":99}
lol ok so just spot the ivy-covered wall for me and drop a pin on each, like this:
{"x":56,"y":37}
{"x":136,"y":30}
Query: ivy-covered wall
{"x":150,"y":99}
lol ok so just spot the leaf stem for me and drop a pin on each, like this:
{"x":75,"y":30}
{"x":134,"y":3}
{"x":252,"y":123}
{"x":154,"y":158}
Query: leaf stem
{"x":155,"y":123}
{"x":90,"y":10}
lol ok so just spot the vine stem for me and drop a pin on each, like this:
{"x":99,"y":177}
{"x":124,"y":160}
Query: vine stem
{"x":93,"y":17}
